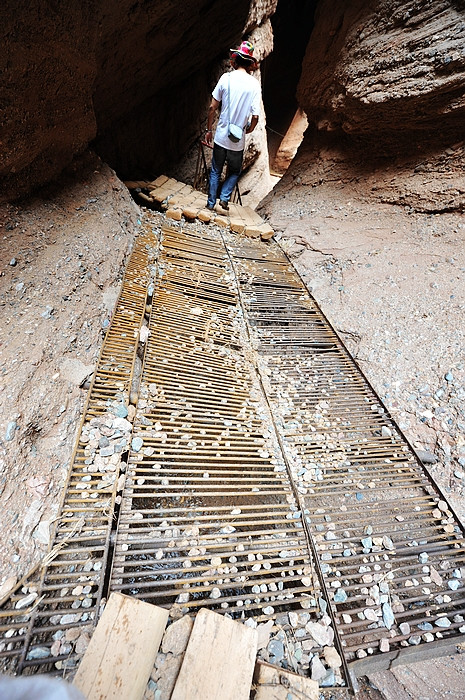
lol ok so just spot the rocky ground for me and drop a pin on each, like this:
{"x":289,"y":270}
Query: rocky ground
{"x":58,"y":286}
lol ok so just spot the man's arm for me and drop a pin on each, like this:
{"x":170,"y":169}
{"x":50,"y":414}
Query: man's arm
{"x":211,"y":115}
{"x":253,"y":124}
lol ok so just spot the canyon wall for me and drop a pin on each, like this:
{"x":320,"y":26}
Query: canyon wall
{"x":134,"y":75}
{"x":383,"y":86}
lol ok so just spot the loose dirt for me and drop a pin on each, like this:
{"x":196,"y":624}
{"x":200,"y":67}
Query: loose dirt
{"x":62,"y":257}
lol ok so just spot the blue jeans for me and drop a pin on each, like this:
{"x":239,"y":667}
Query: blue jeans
{"x":234,"y":160}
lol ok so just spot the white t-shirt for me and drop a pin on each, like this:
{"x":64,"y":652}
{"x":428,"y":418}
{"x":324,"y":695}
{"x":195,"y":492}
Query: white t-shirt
{"x":244,"y":96}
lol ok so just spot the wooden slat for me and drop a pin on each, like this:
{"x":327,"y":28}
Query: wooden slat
{"x":251,"y":217}
{"x":122,"y":651}
{"x":273,"y":683}
{"x":219,"y":660}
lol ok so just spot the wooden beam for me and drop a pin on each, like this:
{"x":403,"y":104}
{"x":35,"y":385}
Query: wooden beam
{"x":219,"y":660}
{"x":122,"y":651}
{"x":274,"y":683}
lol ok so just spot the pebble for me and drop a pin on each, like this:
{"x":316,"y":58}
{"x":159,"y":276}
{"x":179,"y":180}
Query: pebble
{"x":322,"y":634}
{"x":10,"y":431}
{"x":294,"y":619}
{"x":137,"y":444}
{"x":329,"y":680}
{"x":122,"y":411}
{"x":404,"y":628}
{"x":25,"y":602}
{"x":384,"y":645}
{"x":426,"y":457}
{"x":453,"y":584}
{"x":414,"y":640}
{"x":388,"y":543}
{"x":318,"y":671}
{"x":443,"y":622}
{"x":425,"y":626}
{"x":38,"y":653}
{"x":332,"y":658}
{"x":82,"y":643}
{"x":370,"y":615}
{"x":388,"y":616}
{"x":12,"y":262}
{"x":276,"y":650}
{"x":48,"y":312}
{"x":340,"y":596}
{"x":367,"y":542}
{"x":177,"y":635}
{"x":423,"y":558}
{"x":215,"y":593}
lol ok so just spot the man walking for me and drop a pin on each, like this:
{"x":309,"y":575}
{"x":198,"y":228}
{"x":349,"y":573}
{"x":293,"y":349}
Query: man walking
{"x":238,"y":95}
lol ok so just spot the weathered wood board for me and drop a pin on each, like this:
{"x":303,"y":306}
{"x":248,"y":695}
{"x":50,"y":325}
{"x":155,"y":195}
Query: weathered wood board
{"x":219,"y":660}
{"x":122,"y":651}
{"x":274,"y":683}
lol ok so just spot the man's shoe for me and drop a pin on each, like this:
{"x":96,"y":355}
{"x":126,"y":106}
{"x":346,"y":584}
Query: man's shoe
{"x":224,"y":205}
{"x":211,"y":207}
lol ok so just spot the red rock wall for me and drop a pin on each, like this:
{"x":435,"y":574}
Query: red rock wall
{"x":383,"y":86}
{"x":386,"y":65}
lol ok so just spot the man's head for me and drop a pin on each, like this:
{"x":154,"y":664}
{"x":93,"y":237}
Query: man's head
{"x":243,"y":56}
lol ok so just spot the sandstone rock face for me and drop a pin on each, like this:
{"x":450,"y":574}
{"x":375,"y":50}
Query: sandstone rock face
{"x":383,"y":87}
{"x":134,"y":75}
{"x":383,"y":65}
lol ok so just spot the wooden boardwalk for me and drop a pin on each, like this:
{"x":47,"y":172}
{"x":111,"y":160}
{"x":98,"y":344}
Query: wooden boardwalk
{"x":179,"y":200}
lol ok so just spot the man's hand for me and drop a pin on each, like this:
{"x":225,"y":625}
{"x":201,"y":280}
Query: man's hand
{"x":209,"y":137}
{"x":252,"y":125}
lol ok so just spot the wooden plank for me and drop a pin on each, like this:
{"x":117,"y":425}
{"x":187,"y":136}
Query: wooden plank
{"x":190,"y":212}
{"x":168,"y":188}
{"x":266,"y":232}
{"x":251,"y":217}
{"x":274,"y":683}
{"x":219,"y":660}
{"x":160,"y":194}
{"x":236,"y":220}
{"x":137,"y":184}
{"x":182,"y":196}
{"x":122,"y":651}
{"x":222,"y":221}
{"x":161,"y":179}
{"x":252,"y":231}
{"x":205,"y":215}
{"x":174,"y":213}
